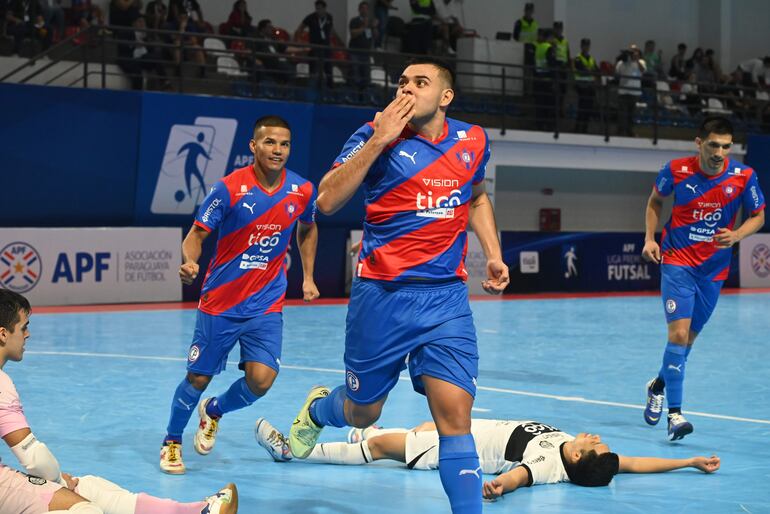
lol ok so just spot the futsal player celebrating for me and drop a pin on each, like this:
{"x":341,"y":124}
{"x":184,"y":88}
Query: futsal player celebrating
{"x":43,"y":488}
{"x":708,"y":190}
{"x":255,"y":210}
{"x":522,"y":453}
{"x":423,"y":177}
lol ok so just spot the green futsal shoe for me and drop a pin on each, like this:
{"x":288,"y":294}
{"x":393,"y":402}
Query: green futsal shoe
{"x":304,"y":432}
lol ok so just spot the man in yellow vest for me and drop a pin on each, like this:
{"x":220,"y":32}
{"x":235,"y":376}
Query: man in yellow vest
{"x":545,"y":63}
{"x":525,"y":31}
{"x":586,"y":82}
{"x":563,"y":62}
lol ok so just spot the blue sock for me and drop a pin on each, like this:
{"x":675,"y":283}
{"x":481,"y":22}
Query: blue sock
{"x":237,"y":397}
{"x":687,"y":352}
{"x":460,"y":473}
{"x":672,"y":371}
{"x":182,"y":407}
{"x":330,"y":410}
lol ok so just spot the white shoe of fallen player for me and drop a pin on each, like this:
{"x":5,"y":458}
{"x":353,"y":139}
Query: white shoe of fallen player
{"x":223,"y":502}
{"x":272,"y":440}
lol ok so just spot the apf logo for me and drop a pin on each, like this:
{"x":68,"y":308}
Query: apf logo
{"x":196,"y":157}
{"x":760,"y":260}
{"x":20,"y":267}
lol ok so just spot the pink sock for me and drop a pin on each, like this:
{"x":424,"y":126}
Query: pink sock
{"x":146,"y":504}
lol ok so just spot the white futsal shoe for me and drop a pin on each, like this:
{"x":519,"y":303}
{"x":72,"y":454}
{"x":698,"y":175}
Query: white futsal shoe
{"x":171,"y":459}
{"x":223,"y":502}
{"x":272,"y":440}
{"x":206,"y":435}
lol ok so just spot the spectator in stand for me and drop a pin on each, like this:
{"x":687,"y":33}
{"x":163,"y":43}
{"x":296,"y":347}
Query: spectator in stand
{"x":545,"y":62}
{"x":419,"y":32}
{"x":695,"y":62}
{"x":320,"y":26}
{"x":448,"y":14}
{"x":136,"y":54}
{"x":382,"y":10}
{"x":563,"y":62}
{"x":53,"y":13}
{"x":525,"y":31}
{"x":190,"y":41}
{"x":239,"y":22}
{"x":192,"y":9}
{"x":271,"y":58}
{"x":629,"y":69}
{"x":753,"y":73}
{"x":363,"y":33}
{"x":94,"y":17}
{"x":678,"y":69}
{"x":156,"y":14}
{"x":690,"y":96}
{"x":123,"y":13}
{"x":586,"y":81}
{"x":653,"y":60}
{"x":24,"y":20}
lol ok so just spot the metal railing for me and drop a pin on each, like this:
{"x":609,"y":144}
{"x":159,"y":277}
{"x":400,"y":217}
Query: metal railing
{"x":495,"y":94}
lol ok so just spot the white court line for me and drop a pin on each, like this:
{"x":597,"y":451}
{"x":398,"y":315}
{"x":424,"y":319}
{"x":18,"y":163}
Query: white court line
{"x":578,"y":399}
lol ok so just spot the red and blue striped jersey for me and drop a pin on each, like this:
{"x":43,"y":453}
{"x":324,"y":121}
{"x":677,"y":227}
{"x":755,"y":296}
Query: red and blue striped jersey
{"x":247,"y":275}
{"x":702,"y":205}
{"x":417,"y":196}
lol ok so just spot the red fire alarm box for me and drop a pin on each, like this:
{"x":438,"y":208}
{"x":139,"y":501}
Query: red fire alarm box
{"x":550,"y":220}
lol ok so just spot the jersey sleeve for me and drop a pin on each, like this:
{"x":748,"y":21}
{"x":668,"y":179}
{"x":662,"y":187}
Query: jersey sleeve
{"x":308,"y":215}
{"x":753,"y":199}
{"x":478,"y":176}
{"x":664,"y":184}
{"x":11,"y":413}
{"x":213,"y":208}
{"x":354,"y":144}
{"x":542,"y":468}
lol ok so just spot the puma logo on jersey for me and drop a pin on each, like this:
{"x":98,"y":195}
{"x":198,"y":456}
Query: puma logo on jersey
{"x":476,"y":472}
{"x":411,"y":157}
{"x":692,"y":188}
{"x":250,"y":207}
{"x":676,"y":368}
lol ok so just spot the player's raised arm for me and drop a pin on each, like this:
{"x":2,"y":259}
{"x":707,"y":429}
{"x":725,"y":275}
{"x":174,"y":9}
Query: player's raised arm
{"x":192,"y":247}
{"x":341,"y":183}
{"x":651,"y":250}
{"x":506,"y":483}
{"x":482,"y":220}
{"x":660,"y":465}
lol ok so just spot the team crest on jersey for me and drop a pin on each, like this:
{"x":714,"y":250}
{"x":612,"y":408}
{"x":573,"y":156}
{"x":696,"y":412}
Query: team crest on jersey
{"x":670,"y":306}
{"x":195,"y":352}
{"x":466,"y":158}
{"x":353,"y":382}
{"x":36,"y":480}
{"x":728,"y":189}
{"x":546,"y":445}
{"x":290,"y":208}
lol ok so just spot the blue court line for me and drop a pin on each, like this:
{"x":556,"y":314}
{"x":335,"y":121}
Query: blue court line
{"x":578,"y":399}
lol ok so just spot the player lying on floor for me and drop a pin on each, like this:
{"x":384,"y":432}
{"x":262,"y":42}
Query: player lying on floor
{"x":521,"y":453}
{"x":43,"y":488}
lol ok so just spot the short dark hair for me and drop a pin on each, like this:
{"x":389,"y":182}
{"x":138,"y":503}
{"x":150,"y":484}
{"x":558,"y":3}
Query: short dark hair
{"x":319,"y":2}
{"x":681,"y":46}
{"x":262,"y":24}
{"x":766,"y":59}
{"x":11,"y":303}
{"x":271,"y":120}
{"x":585,"y":41}
{"x":593,"y":469}
{"x":445,"y":70}
{"x":715,"y":125}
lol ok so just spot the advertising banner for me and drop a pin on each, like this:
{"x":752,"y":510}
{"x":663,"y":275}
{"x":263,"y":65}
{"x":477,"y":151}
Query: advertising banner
{"x":69,"y":266}
{"x":755,"y":261}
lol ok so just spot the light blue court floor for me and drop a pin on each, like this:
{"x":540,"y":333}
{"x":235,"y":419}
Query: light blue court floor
{"x":96,"y":388}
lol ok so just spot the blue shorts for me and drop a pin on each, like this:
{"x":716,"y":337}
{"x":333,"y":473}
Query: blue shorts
{"x":260,"y":339}
{"x":429,"y":325}
{"x":686,"y":295}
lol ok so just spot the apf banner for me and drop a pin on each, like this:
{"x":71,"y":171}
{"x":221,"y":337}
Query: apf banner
{"x":755,"y":261}
{"x":67,"y":266}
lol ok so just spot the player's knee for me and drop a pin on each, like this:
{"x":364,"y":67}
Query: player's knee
{"x":199,"y":382}
{"x":679,"y":335}
{"x":259,"y":384}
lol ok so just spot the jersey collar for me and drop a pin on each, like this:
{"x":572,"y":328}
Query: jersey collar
{"x":408,"y":132}
{"x":260,"y":186}
{"x":706,"y":175}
